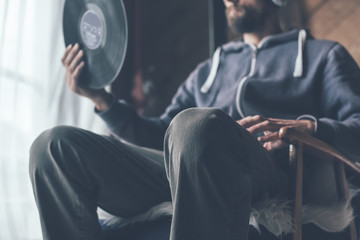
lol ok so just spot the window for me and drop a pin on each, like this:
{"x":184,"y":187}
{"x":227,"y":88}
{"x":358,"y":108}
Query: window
{"x":33,"y":97}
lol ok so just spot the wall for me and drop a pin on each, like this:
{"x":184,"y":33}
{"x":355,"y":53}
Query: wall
{"x":174,"y":40}
{"x":337,"y":20}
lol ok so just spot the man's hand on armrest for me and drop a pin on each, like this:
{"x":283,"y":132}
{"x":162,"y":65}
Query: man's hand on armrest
{"x":270,"y":128}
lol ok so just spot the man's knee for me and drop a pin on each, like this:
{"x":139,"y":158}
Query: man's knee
{"x":197,"y":132}
{"x":46,"y":149}
{"x":196,"y":122}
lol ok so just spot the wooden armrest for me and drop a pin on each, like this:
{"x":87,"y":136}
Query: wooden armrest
{"x":293,"y":136}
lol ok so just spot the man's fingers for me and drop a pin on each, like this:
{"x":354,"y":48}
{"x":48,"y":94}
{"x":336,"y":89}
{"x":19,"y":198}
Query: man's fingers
{"x":267,"y":146}
{"x":72,"y":53}
{"x":76,"y":60}
{"x":250,"y":121}
{"x":271,"y":146}
{"x":67,"y":50}
{"x":265,"y":125}
{"x":78,"y":70}
{"x":269,"y":137}
{"x":256,"y":124}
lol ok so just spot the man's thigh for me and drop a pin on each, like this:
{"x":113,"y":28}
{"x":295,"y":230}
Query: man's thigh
{"x":122,"y":178}
{"x":135,"y":178}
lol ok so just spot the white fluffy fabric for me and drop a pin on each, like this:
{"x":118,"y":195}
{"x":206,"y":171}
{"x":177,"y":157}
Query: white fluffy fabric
{"x":331,"y":219}
{"x":275,"y":215}
{"x":111,"y":221}
{"x":280,"y":3}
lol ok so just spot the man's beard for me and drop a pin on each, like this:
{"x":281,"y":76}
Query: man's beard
{"x":248,"y":22}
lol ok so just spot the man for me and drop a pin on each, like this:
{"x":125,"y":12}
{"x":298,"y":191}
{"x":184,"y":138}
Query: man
{"x":212,"y":168}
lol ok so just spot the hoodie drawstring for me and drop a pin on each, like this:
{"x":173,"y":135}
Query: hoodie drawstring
{"x":299,"y":64}
{"x":214,"y":68}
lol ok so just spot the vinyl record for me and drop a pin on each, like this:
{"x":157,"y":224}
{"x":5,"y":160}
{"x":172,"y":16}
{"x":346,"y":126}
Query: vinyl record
{"x":100,"y":27}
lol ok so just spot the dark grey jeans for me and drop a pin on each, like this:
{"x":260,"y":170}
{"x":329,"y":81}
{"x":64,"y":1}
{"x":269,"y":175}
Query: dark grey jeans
{"x":213,"y":171}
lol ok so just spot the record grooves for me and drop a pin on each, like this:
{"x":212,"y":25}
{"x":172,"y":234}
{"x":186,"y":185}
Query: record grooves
{"x":100,"y":27}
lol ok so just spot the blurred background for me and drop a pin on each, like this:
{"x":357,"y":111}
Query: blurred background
{"x":167,"y":39}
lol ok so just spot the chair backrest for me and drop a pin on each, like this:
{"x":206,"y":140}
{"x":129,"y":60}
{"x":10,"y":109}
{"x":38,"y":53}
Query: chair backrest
{"x":322,"y":182}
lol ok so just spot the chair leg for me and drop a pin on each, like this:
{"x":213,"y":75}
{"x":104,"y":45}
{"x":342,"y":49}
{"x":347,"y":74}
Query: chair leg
{"x":297,"y":156}
{"x":352,"y":227}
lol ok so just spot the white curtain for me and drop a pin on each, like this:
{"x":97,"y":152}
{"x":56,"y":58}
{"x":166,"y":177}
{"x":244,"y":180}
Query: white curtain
{"x":33,"y":97}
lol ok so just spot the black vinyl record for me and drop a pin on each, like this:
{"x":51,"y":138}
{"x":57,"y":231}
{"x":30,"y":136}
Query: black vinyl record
{"x":100,"y":27}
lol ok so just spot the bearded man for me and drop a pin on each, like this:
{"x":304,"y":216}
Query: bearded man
{"x":215,"y":152}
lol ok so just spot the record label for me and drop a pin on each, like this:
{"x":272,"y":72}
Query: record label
{"x":92,"y":27}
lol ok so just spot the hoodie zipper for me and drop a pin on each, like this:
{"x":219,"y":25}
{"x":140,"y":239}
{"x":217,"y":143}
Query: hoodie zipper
{"x":298,"y":71}
{"x":244,"y":79}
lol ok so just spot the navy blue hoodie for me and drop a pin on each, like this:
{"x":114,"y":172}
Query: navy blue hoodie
{"x":290,"y":75}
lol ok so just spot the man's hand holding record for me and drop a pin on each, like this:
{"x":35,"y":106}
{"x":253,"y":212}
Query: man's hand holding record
{"x":95,"y":33}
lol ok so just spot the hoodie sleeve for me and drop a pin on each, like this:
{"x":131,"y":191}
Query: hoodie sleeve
{"x":124,"y":122}
{"x":340,"y":103}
